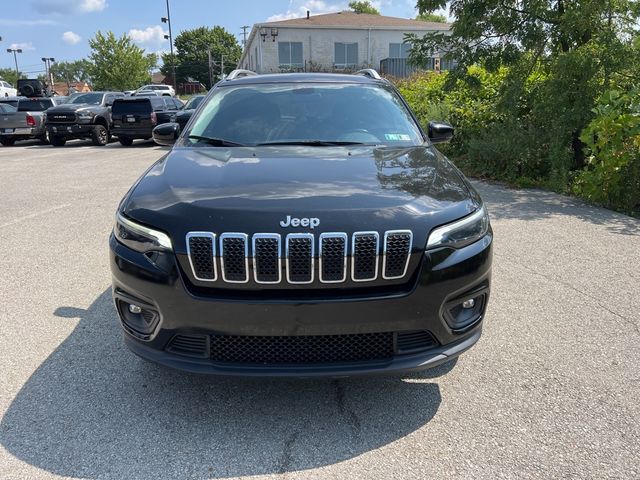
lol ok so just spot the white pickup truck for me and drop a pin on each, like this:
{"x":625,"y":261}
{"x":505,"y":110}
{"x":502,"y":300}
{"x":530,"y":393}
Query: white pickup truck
{"x":6,"y":90}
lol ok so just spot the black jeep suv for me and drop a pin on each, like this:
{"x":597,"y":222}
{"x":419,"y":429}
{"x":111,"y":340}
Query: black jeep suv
{"x":303,"y":225}
{"x":84,"y":115}
{"x":136,"y":117}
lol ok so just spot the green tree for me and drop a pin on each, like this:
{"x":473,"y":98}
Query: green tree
{"x":363,"y":7}
{"x":73,"y":71}
{"x":10,"y":75}
{"x":192,"y":57}
{"x":432,"y":17}
{"x":117,"y":63}
{"x":579,"y":48}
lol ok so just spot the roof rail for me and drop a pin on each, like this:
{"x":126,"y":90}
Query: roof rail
{"x":369,"y":72}
{"x":239,"y":73}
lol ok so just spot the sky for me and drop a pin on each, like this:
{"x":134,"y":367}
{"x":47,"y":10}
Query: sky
{"x":61,"y":28}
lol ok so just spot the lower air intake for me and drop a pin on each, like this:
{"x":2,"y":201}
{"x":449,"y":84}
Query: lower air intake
{"x":189,"y":345}
{"x":296,"y":350}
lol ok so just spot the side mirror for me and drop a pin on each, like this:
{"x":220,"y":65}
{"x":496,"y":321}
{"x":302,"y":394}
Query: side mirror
{"x":166,"y":134}
{"x":440,"y":132}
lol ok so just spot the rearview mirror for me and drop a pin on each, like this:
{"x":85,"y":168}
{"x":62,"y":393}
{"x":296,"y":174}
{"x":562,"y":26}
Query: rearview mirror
{"x":166,"y":134}
{"x":440,"y":132}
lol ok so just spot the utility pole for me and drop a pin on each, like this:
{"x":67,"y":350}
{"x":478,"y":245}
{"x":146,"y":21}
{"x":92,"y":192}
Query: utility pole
{"x":47,"y":66}
{"x":244,"y":35}
{"x":169,"y":37}
{"x":15,"y":58}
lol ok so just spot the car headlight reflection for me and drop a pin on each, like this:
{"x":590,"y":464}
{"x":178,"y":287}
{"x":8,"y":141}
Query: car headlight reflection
{"x":140,"y":238}
{"x":462,"y":232}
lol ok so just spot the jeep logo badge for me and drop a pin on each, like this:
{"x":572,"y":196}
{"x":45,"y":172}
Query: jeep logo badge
{"x":300,"y":222}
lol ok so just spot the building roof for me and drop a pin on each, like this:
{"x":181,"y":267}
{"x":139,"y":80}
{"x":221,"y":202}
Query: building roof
{"x":358,"y":20}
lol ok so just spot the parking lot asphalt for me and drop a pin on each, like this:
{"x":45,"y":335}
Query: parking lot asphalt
{"x":551,"y":390}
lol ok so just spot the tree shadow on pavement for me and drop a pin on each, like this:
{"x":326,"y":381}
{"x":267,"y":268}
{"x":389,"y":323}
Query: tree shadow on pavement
{"x":531,"y":204}
{"x":93,"y":409}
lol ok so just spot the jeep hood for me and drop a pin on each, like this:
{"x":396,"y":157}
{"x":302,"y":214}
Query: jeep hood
{"x":252,"y":189}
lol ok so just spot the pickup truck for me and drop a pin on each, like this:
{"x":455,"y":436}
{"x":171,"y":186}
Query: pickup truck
{"x":26,"y":121}
{"x":83,"y":115}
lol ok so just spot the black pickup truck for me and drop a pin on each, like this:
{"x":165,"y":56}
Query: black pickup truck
{"x":85,"y":115}
{"x":136,"y":117}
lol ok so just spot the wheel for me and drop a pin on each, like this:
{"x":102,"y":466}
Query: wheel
{"x":44,"y":138}
{"x":100,"y":136}
{"x":7,"y":142}
{"x":58,"y":141}
{"x":125,"y":141}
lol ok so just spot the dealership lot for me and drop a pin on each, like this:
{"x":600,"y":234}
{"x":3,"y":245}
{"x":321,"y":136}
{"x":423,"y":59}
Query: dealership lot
{"x":550,"y":391}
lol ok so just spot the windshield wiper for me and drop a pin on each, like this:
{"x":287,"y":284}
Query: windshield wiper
{"x":218,"y":142}
{"x":316,"y":143}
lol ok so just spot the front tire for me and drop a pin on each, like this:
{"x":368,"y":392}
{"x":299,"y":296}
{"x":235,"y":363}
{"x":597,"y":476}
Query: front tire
{"x":125,"y":141}
{"x":100,"y":136}
{"x":58,"y":141}
{"x":7,"y":142}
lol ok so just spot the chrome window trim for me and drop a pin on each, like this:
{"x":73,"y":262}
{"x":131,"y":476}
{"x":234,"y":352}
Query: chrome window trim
{"x":245,"y":237}
{"x":277,"y":237}
{"x":353,"y":256}
{"x":300,"y":235}
{"x":345,"y":237}
{"x":384,"y":253}
{"x":212,"y":236}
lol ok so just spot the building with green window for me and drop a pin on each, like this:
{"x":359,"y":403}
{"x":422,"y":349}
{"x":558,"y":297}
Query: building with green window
{"x":342,"y":41}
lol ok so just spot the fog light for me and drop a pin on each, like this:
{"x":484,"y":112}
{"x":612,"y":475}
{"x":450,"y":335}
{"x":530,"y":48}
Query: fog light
{"x":466,"y":304}
{"x":135,"y":309}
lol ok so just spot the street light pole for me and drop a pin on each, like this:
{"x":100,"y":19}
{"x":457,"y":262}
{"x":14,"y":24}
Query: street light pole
{"x":169,"y":37}
{"x":15,"y":57}
{"x":47,"y":65}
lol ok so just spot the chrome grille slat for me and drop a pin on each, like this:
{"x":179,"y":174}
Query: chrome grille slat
{"x":299,"y":258}
{"x":232,"y":249}
{"x":365,"y":247}
{"x":397,"y":252}
{"x":267,"y":266}
{"x":201,"y":250}
{"x":234,"y":257}
{"x":332,"y":257}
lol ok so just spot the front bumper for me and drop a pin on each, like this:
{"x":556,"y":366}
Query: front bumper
{"x":443,"y":276}
{"x":71,"y":130}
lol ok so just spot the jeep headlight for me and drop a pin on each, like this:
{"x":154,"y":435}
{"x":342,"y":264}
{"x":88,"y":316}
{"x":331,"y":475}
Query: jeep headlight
{"x":138,"y":237}
{"x":462,"y":232}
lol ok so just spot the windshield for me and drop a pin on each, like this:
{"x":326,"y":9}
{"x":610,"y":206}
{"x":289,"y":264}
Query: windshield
{"x":87,"y":98}
{"x":34,"y":105}
{"x":193,"y":103}
{"x":313,"y":113}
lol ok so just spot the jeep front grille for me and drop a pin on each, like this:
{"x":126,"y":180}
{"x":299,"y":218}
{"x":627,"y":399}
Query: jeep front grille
{"x":264,"y":252}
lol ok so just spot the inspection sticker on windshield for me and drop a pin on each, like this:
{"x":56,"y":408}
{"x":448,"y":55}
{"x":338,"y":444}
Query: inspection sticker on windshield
{"x":396,"y":137}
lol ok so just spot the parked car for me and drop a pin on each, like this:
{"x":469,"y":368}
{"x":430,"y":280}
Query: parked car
{"x":136,"y":117}
{"x":183,"y":116}
{"x":7,"y":90}
{"x":13,"y":101}
{"x":84,"y":115}
{"x":26,"y":121}
{"x":163,"y":90}
{"x":305,"y":225}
